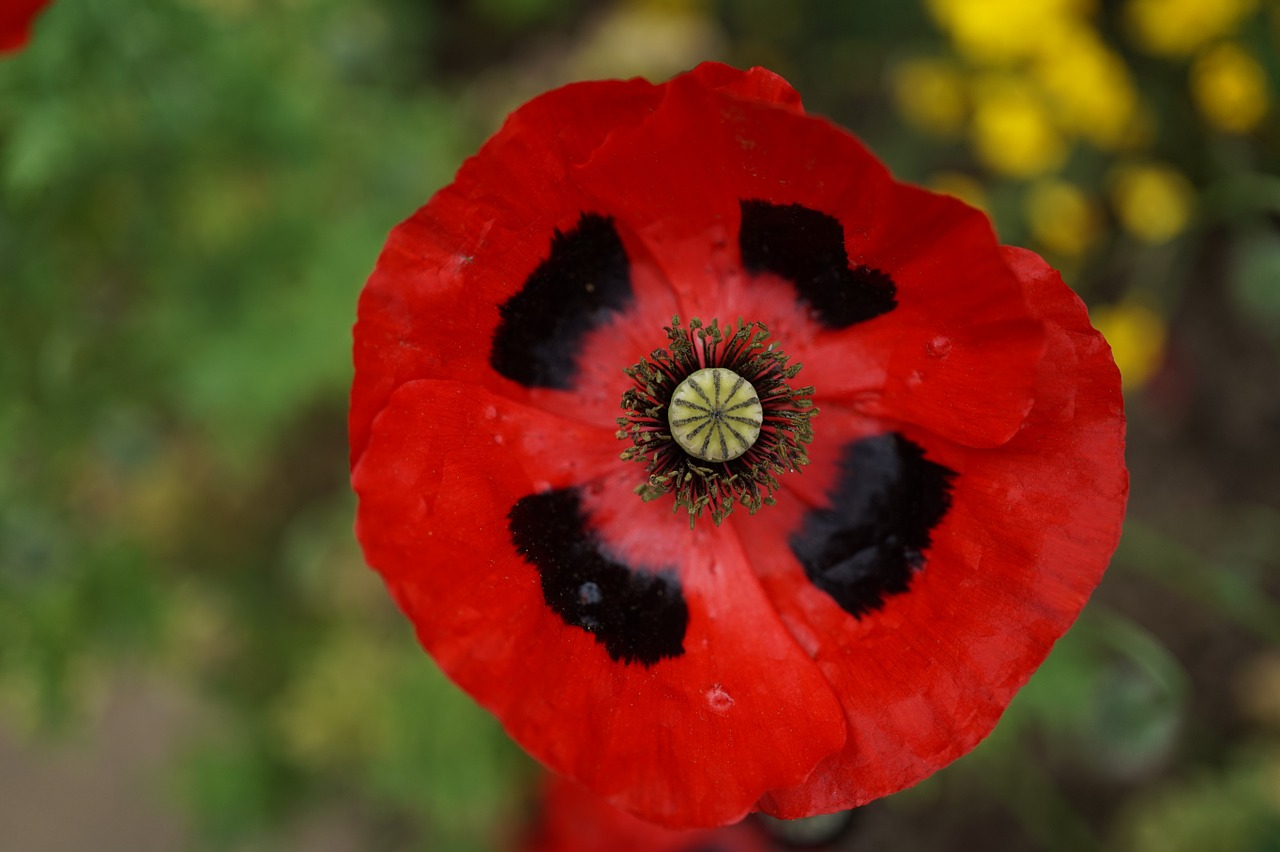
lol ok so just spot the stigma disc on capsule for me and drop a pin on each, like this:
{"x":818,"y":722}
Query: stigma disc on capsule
{"x":715,"y":415}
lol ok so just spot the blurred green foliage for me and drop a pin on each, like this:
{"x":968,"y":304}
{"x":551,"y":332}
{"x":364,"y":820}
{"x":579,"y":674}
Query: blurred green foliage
{"x":192,"y":193}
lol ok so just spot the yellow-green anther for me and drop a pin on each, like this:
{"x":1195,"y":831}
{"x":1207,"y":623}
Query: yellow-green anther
{"x":715,"y":415}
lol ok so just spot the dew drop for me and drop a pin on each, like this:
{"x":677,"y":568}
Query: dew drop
{"x":589,"y":593}
{"x":499,"y":439}
{"x":939,"y":347}
{"x":718,"y":700}
{"x":490,"y":412}
{"x":915,"y":379}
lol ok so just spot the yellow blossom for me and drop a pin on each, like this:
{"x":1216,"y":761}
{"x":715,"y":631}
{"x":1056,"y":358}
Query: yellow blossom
{"x":1153,"y":201}
{"x":1137,"y":337}
{"x":1012,"y":130}
{"x":1062,"y":217}
{"x":930,"y":94}
{"x":1180,"y":27}
{"x":1230,"y":88}
{"x":1002,"y":31}
{"x":1088,"y":86}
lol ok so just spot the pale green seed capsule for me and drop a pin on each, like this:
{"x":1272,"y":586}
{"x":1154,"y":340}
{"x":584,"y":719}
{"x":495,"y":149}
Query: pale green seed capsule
{"x":715,"y":415}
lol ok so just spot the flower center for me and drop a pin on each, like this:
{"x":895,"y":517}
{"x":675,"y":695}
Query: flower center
{"x":713,"y":419}
{"x":715,"y":415}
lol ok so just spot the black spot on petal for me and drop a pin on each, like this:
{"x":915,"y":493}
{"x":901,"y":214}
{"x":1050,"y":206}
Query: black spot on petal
{"x":639,"y":616}
{"x":870,"y":543}
{"x":585,"y":277}
{"x":807,"y":248}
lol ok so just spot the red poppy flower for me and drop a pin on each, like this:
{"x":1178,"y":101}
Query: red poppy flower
{"x":770,"y":610}
{"x":574,"y":820}
{"x":16,"y":18}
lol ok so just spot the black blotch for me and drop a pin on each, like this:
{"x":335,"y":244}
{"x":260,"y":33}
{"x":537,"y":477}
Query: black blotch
{"x":639,"y":616}
{"x":870,"y":543}
{"x":807,"y":248}
{"x":585,"y":277}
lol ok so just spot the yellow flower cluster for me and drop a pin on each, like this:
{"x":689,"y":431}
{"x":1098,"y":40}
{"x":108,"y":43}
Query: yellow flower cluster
{"x":931,"y":94}
{"x":1089,"y":87}
{"x":1181,"y":27}
{"x":1062,"y":217}
{"x":1030,"y":80}
{"x":1229,"y":88}
{"x":1040,"y":77}
{"x":1011,"y":130}
{"x":1153,"y":201}
{"x":1228,"y":85}
{"x":1004,"y":31}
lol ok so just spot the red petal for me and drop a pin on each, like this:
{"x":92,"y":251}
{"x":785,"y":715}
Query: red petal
{"x":1032,"y":527}
{"x":16,"y":20}
{"x":443,"y":447}
{"x":754,"y":84}
{"x":430,"y":307}
{"x":690,"y":741}
{"x":959,"y":351}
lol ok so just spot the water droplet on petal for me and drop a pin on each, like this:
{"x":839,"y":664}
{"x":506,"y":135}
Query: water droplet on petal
{"x":939,"y":347}
{"x":499,"y":439}
{"x":718,"y":700}
{"x":589,"y":593}
{"x":490,"y":412}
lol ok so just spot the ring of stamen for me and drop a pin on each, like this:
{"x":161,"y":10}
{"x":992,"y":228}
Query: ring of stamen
{"x":711,"y":463}
{"x":715,"y":415}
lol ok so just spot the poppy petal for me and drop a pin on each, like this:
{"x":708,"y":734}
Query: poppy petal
{"x":925,"y":676}
{"x":16,"y":20}
{"x":837,"y":646}
{"x":959,"y":355}
{"x":434,"y":301}
{"x":489,"y":586}
{"x":754,"y":84}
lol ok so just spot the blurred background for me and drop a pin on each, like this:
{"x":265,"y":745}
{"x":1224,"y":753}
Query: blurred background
{"x":192,"y":653}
